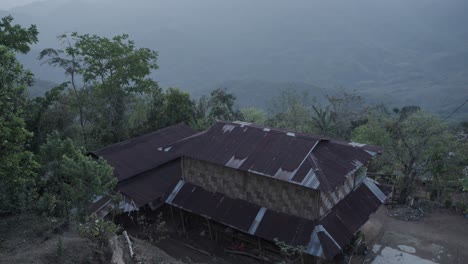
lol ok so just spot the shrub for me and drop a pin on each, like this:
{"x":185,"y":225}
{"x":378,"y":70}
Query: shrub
{"x":448,"y":203}
{"x":98,"y":230}
{"x":460,"y":206}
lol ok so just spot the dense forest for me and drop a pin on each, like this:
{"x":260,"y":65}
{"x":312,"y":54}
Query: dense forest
{"x":110,"y":94}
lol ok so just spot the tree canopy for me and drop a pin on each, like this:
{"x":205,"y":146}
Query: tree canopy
{"x":17,"y":167}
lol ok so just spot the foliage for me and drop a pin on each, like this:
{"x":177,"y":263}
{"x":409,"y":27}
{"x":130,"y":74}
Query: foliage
{"x":254,"y":115}
{"x":97,"y":229}
{"x":291,"y":110}
{"x":301,"y":112}
{"x":345,"y":112}
{"x":290,"y":253}
{"x":53,"y":112}
{"x":70,"y":179}
{"x":417,"y":146}
{"x":15,"y":37}
{"x":322,"y":120}
{"x":219,"y":106}
{"x":155,"y":230}
{"x":17,"y":166}
{"x":178,"y":107}
{"x":106,"y":75}
{"x":464,"y":180}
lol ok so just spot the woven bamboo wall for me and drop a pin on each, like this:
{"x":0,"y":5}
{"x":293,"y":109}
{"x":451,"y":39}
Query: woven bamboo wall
{"x":328,"y":200}
{"x":273,"y":194}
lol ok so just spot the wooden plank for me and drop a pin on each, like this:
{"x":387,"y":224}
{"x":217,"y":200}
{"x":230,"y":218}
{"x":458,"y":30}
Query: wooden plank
{"x":209,"y":228}
{"x":183,"y":224}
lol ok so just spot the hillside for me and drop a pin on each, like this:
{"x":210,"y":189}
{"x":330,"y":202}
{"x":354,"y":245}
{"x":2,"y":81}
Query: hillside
{"x":397,"y":52}
{"x":40,"y":87}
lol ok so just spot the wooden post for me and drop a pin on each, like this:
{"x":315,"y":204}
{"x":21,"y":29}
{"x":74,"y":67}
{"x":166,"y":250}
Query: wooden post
{"x":209,"y":228}
{"x":182,"y":165}
{"x":172,"y":215}
{"x":183,"y":224}
{"x":259,"y":246}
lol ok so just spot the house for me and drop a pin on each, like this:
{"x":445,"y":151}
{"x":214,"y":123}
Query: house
{"x":142,"y":171}
{"x":267,"y":183}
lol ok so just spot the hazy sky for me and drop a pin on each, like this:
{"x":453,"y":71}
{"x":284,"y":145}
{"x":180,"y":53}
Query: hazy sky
{"x":7,"y":4}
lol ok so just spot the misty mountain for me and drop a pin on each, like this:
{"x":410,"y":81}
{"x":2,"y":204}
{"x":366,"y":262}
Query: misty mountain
{"x":40,"y":87}
{"x":399,"y":52}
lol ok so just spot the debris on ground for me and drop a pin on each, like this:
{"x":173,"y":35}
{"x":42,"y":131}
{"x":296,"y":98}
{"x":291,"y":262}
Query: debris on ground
{"x":406,"y":213}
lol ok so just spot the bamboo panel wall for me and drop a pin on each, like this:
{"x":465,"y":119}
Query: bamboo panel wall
{"x":329,"y":199}
{"x":264,"y":191}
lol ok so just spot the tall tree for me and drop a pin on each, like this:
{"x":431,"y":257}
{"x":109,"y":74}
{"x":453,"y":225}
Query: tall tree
{"x":17,"y":167}
{"x":220,"y":105}
{"x":70,"y":60}
{"x":323,"y":121}
{"x":292,"y":110}
{"x":178,"y":107}
{"x":112,"y":72}
{"x":53,"y":111}
{"x":70,"y":179}
{"x":417,"y":146}
{"x":346,"y":111}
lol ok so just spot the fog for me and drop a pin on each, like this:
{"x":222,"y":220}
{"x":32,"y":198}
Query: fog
{"x":399,"y":52}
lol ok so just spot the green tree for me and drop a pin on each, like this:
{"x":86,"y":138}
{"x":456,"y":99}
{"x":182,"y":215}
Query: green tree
{"x":292,"y":110}
{"x":201,"y":120}
{"x":322,"y":121}
{"x":254,"y":115}
{"x":220,"y":105}
{"x":178,"y":107}
{"x":70,"y":179}
{"x":155,"y":114}
{"x":417,"y":146}
{"x":54,"y":111}
{"x":113,"y":72}
{"x":345,"y":111}
{"x":17,"y":166}
{"x":70,"y":60}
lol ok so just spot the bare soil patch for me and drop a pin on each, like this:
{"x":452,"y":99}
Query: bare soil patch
{"x":440,"y":236}
{"x":33,"y":239}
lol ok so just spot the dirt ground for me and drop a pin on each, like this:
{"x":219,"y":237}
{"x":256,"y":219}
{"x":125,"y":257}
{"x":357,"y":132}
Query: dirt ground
{"x":33,"y":239}
{"x":439,"y":237}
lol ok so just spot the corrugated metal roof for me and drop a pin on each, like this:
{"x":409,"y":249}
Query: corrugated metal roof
{"x":236,"y":213}
{"x":351,"y":213}
{"x":308,"y":160}
{"x":324,"y":238}
{"x":138,"y":155}
{"x":153,"y":184}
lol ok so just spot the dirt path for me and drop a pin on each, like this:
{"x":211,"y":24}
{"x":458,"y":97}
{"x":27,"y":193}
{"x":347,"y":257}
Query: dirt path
{"x":440,"y":237}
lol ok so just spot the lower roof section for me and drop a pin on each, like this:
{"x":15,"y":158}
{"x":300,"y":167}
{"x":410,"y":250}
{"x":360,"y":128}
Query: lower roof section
{"x":324,"y":238}
{"x":152,"y":185}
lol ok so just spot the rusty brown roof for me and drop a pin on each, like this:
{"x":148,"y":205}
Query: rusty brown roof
{"x":324,"y":238}
{"x":153,"y":184}
{"x":347,"y":217}
{"x":308,"y":160}
{"x":138,"y":155}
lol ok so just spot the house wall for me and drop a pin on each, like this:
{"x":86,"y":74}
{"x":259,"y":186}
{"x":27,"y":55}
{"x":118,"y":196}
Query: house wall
{"x":264,"y":191}
{"x":329,"y":199}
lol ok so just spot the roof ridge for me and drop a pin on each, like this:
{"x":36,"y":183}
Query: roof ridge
{"x":281,"y":131}
{"x":140,"y":136}
{"x":162,"y":148}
